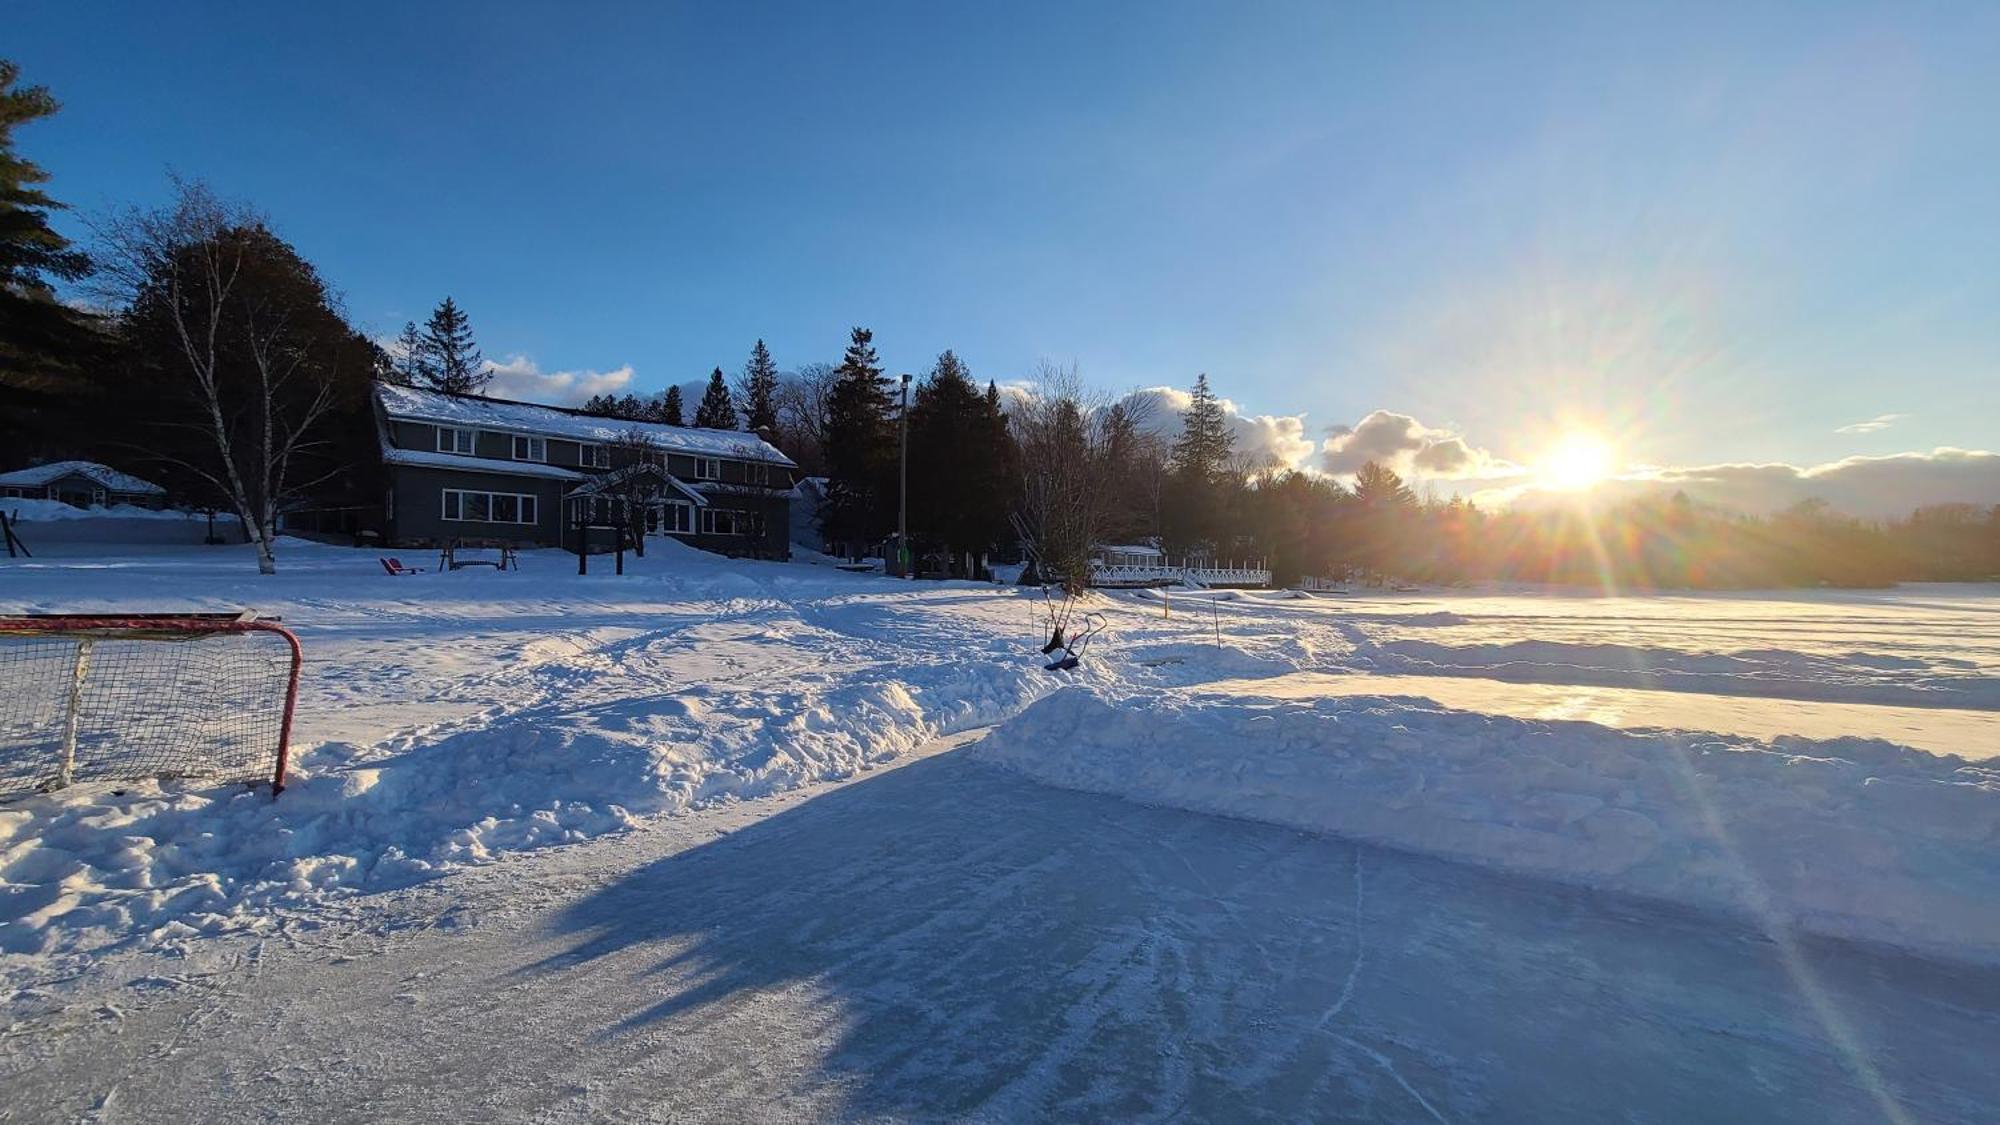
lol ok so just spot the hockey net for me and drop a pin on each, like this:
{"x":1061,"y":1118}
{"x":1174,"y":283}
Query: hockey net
{"x":132,"y":697}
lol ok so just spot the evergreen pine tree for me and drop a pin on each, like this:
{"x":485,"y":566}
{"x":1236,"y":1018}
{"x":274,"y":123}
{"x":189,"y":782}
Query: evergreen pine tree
{"x":455,"y":363}
{"x":1378,"y":487}
{"x":951,"y":498}
{"x":411,"y":366}
{"x":717,"y":411}
{"x":44,"y":344}
{"x":860,"y":449}
{"x":1384,"y":521}
{"x":1193,"y":513}
{"x":1205,"y":444}
{"x":670,"y":407}
{"x":760,"y":392}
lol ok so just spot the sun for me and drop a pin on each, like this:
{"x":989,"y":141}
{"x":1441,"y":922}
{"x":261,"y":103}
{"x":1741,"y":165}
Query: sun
{"x":1576,"y":461}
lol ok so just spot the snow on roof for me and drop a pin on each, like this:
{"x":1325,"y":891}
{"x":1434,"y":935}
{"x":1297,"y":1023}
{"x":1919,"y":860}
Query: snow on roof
{"x":611,"y":482}
{"x":394,"y":456}
{"x":111,"y":479}
{"x":414,"y":405}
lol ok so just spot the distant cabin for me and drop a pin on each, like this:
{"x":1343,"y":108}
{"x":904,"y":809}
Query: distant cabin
{"x":466,"y":467}
{"x":83,"y":484}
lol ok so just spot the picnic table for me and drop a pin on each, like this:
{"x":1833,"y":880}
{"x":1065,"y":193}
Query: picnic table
{"x":503,"y":559}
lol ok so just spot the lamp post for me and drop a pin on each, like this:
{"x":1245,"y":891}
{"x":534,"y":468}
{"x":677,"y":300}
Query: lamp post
{"x":903,"y":485}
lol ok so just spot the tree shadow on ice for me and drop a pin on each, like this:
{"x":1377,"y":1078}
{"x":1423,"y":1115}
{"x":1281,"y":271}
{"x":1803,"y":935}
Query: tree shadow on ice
{"x":947,"y":939}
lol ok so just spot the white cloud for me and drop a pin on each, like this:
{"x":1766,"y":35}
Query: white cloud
{"x":520,"y":378}
{"x":1409,"y":447}
{"x":1261,"y":439}
{"x":1879,"y":422}
{"x":1870,"y":487}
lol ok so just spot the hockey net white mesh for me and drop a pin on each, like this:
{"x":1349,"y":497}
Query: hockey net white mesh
{"x":174,"y":698}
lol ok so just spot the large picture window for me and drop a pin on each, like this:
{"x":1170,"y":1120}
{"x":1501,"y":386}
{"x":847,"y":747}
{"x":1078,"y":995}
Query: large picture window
{"x":719,"y":521}
{"x":451,"y":439}
{"x":466,"y":506}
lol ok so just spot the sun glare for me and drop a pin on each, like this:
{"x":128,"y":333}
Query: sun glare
{"x":1576,"y":462}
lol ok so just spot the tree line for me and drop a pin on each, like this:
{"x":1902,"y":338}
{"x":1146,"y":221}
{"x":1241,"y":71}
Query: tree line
{"x":212,"y":356}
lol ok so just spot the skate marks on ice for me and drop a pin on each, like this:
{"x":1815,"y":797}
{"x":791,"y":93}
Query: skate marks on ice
{"x":947,"y":940}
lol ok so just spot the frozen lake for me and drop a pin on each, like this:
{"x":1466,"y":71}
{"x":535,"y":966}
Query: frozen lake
{"x":1938,"y":730}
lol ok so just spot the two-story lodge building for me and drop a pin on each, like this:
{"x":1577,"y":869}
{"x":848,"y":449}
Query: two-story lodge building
{"x":465,"y":467}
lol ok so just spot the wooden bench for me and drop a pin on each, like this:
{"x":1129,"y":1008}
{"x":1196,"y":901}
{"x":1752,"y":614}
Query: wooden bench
{"x":506,"y":559}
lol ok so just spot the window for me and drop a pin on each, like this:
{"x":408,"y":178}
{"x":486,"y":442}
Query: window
{"x":593,"y":456}
{"x":707,"y":468}
{"x":757,"y":473}
{"x":530,"y":448}
{"x":716,"y":521}
{"x":675,"y":516}
{"x":454,"y":440}
{"x":97,"y":498}
{"x":489,"y":507}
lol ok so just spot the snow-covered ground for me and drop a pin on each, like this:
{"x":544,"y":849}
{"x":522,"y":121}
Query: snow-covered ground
{"x":581,"y":847}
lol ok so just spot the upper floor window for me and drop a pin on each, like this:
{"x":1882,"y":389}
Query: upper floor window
{"x":451,"y":439}
{"x":756,"y":472}
{"x":593,"y":456}
{"x":530,"y":448}
{"x":707,"y":468}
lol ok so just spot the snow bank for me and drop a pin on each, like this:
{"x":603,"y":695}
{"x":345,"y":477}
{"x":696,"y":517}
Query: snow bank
{"x":89,"y":868}
{"x":1847,"y":838}
{"x":50,"y":510}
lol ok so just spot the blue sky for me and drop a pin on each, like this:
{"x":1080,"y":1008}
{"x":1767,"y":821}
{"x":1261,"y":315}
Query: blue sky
{"x":1717,"y":233}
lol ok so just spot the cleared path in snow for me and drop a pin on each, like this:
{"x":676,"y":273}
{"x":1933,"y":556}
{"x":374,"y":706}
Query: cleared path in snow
{"x":945,"y":939}
{"x":1974,"y":735}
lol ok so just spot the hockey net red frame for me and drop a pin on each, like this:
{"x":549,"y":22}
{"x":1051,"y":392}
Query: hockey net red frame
{"x":255,"y":739}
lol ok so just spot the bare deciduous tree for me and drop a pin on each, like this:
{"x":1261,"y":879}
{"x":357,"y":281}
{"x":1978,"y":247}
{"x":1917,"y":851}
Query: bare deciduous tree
{"x":252,"y":337}
{"x":1068,"y":436}
{"x":802,"y":408}
{"x":636,"y":491}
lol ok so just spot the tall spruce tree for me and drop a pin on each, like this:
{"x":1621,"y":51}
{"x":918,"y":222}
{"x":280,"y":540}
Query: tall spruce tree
{"x":1194,"y":511}
{"x":670,"y":407}
{"x":717,"y":410}
{"x":455,"y":363}
{"x":960,"y":463}
{"x":1384,"y":521}
{"x":410,"y":365}
{"x":1205,"y":443}
{"x":860,"y":449}
{"x":760,"y":392}
{"x":44,"y":344}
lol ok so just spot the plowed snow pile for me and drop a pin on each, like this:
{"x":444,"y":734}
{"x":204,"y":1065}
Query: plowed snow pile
{"x":1850,"y":838}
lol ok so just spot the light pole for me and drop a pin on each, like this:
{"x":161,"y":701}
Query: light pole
{"x":903,"y":486}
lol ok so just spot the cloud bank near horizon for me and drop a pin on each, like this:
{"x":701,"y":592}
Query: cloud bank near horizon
{"x":1450,"y":463}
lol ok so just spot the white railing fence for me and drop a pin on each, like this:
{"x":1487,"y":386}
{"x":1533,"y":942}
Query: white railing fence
{"x":1197,"y":572}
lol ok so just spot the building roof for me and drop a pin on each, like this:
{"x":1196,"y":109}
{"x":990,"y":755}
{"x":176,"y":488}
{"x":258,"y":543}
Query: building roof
{"x":611,"y":482}
{"x":434,"y":460}
{"x":413,"y":405}
{"x":110,"y":479}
